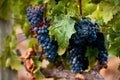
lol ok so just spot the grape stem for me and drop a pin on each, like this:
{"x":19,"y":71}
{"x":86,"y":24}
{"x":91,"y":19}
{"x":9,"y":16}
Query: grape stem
{"x":44,"y":14}
{"x":80,"y":6}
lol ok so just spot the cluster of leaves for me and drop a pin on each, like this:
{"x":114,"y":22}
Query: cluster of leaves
{"x":6,"y":11}
{"x":63,"y":15}
{"x":16,"y":10}
{"x":107,"y":14}
{"x":9,"y":58}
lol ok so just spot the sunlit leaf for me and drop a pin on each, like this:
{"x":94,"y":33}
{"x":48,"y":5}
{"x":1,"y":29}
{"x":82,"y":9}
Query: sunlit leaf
{"x":61,"y":51}
{"x":15,"y":62}
{"x":62,"y":28}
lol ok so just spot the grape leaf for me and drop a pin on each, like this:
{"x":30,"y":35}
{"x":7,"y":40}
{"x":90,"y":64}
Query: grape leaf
{"x":15,"y":62}
{"x":114,"y":47}
{"x":39,"y":75}
{"x":115,"y":22}
{"x":58,"y":9}
{"x":61,"y":51}
{"x":36,"y":71}
{"x":37,"y":63}
{"x":62,"y":28}
{"x":32,"y":42}
{"x":7,"y":64}
{"x":108,"y":11}
{"x":97,"y":14}
{"x":26,"y":29}
{"x":85,"y":5}
{"x":6,"y":9}
{"x":3,"y":60}
{"x":12,"y":42}
{"x":9,"y":58}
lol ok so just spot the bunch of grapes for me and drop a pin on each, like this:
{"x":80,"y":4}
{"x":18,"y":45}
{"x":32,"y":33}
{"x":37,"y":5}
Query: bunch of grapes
{"x":87,"y":33}
{"x":77,"y":59}
{"x":49,"y":46}
{"x":34,"y":15}
{"x":40,"y":30}
{"x":99,"y":43}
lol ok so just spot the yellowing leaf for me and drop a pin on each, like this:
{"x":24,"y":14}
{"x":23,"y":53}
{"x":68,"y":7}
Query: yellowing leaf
{"x":8,"y":62}
{"x":61,"y":51}
{"x":97,"y":14}
{"x":15,"y":62}
{"x":108,"y":11}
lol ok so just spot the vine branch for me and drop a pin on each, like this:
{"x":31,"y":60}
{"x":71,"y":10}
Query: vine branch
{"x":57,"y":73}
{"x":80,"y":6}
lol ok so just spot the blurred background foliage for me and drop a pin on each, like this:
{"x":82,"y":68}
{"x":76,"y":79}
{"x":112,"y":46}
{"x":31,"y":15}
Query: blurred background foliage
{"x":105,"y":12}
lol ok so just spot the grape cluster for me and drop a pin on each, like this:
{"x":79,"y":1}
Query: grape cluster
{"x":87,"y":30}
{"x":77,"y":59}
{"x":40,"y":30}
{"x":49,"y":46}
{"x":87,"y":33}
{"x":34,"y":15}
{"x":99,"y":43}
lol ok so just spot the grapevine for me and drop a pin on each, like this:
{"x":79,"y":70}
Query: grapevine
{"x":87,"y":34}
{"x":40,"y":30}
{"x":73,"y":36}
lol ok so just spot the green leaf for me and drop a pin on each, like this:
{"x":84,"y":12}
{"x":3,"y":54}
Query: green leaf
{"x":13,"y":41}
{"x":114,"y":47}
{"x":26,"y":29}
{"x":8,"y":62}
{"x":46,"y":1}
{"x":9,"y":58}
{"x":62,"y":28}
{"x":39,"y":75}
{"x":97,"y":13}
{"x":32,"y":42}
{"x":108,"y":11}
{"x":85,"y":5}
{"x":37,"y":63}
{"x":58,"y":9}
{"x":6,"y":9}
{"x":115,"y":22}
{"x":15,"y":62}
{"x":61,"y":51}
{"x":3,"y":59}
{"x":36,"y":71}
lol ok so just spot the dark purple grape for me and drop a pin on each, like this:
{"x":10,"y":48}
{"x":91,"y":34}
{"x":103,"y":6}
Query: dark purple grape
{"x":34,"y":15}
{"x":87,"y":33}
